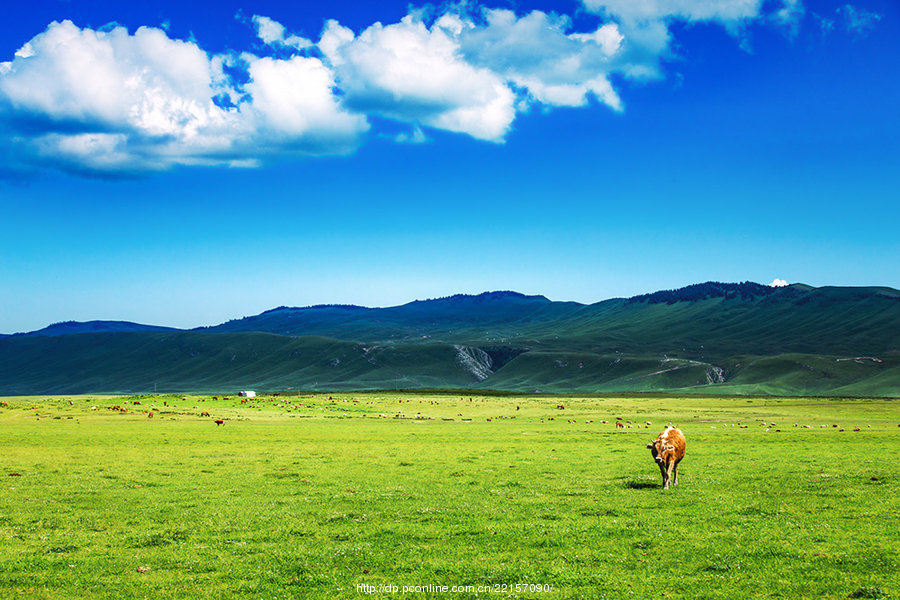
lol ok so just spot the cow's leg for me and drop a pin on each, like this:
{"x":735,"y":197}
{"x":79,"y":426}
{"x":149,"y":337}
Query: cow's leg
{"x":668,"y":475}
{"x":675,"y":479}
{"x":662,"y":471}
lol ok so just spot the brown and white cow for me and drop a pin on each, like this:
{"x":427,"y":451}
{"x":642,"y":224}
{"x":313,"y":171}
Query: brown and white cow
{"x":668,"y":449}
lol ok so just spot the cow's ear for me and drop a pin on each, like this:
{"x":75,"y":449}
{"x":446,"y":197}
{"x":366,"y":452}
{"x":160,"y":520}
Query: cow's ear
{"x":650,"y":445}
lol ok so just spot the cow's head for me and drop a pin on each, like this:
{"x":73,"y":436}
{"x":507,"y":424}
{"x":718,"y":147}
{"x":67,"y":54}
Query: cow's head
{"x":655,"y":451}
{"x":660,"y":449}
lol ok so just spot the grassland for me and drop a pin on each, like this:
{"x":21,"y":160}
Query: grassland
{"x":307,"y":497}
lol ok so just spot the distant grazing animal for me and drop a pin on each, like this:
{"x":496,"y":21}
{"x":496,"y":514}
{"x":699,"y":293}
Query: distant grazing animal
{"x":668,"y":450}
{"x":204,"y":414}
{"x":620,"y":425}
{"x":3,"y":404}
{"x":150,"y":415}
{"x":219,"y":422}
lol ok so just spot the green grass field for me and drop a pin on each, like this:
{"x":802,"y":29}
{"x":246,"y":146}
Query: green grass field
{"x":312,"y":498}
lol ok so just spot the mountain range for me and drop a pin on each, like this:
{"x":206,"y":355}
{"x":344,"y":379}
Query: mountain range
{"x":716,"y":338}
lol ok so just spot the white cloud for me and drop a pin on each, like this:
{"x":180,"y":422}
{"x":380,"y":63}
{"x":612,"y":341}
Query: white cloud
{"x":114,"y":102}
{"x":858,"y":20}
{"x":789,"y":15}
{"x":414,"y":73}
{"x":536,"y":53}
{"x":459,"y":73}
{"x":779,"y":283}
{"x":632,"y":11}
{"x":293,"y":100}
{"x":268,"y":30}
{"x":646,"y":24}
{"x":416,"y":136}
{"x":111,"y":78}
{"x":825,"y":24}
{"x":272,"y":32}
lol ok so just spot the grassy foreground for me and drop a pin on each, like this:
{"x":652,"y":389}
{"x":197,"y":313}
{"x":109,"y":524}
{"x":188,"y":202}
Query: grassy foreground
{"x":306,"y":497}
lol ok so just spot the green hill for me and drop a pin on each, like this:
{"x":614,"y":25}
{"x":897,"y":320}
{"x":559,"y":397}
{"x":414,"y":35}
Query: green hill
{"x":72,"y":327}
{"x":131,"y":362}
{"x":708,"y":338}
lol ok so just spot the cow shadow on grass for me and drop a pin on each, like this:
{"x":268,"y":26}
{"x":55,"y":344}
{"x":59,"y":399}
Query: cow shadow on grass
{"x":634,"y":484}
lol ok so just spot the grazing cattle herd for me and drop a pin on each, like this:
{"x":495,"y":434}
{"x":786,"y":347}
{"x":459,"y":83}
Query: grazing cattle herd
{"x":667,"y":450}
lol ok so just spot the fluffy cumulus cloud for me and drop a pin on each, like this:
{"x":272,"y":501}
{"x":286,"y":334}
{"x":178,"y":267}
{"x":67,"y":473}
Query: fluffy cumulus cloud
{"x":114,"y":102}
{"x":293,"y":103}
{"x":537,"y":54}
{"x":106,"y":99}
{"x":414,"y":73}
{"x":778,"y":283}
{"x":111,"y":101}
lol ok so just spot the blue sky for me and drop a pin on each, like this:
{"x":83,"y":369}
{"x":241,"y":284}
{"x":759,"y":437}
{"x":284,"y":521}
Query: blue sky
{"x":590,"y":150}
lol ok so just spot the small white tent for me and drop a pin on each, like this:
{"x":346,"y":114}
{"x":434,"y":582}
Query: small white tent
{"x":247,"y":394}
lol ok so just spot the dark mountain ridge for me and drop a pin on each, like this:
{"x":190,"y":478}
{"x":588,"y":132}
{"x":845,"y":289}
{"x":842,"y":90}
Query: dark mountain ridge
{"x":746,"y":290}
{"x":711,"y":337}
{"x":77,"y":327}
